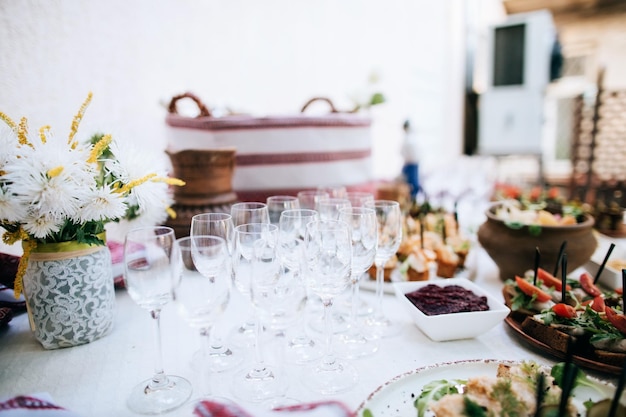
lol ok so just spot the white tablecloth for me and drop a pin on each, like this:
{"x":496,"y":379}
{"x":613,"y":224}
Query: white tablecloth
{"x":95,"y":379}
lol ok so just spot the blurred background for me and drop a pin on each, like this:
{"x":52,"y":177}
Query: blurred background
{"x":517,"y":81}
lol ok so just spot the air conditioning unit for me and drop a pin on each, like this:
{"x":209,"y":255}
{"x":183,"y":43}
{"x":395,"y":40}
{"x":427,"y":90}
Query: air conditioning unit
{"x":518,"y":72}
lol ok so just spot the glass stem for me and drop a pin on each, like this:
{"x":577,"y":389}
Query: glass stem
{"x":355,"y":302}
{"x":259,"y":366}
{"x":328,"y":362}
{"x":205,"y":368}
{"x":159,"y":379}
{"x":380,"y":282}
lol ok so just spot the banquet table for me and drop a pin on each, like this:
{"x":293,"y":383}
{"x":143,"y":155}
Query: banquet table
{"x":95,"y":379}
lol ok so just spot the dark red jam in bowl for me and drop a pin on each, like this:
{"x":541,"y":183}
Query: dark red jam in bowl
{"x":433,"y":300}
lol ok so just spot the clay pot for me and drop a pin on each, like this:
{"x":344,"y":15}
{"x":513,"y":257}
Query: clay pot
{"x":208,"y":175}
{"x":513,"y":250}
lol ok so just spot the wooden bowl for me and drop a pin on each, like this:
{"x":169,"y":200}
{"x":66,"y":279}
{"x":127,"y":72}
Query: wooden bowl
{"x":513,"y":250}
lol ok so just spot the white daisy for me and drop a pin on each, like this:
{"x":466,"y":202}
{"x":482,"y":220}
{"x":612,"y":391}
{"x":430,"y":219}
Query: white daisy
{"x":41,"y":226}
{"x":11,"y":210}
{"x":102,"y":205}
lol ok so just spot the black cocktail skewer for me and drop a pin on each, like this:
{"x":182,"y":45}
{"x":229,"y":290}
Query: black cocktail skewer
{"x":569,"y":375}
{"x":606,"y":258}
{"x":421,"y":217}
{"x":558,"y":258}
{"x":563,"y":276}
{"x":623,"y":286}
{"x":618,"y":390}
{"x":537,"y":259}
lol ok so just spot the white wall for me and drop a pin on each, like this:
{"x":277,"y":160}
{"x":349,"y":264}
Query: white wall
{"x":262,"y":57}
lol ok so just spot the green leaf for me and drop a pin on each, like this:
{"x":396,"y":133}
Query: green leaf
{"x":377,"y":98}
{"x":367,"y":413}
{"x":534,"y":229}
{"x":472,"y":408}
{"x":435,"y":390}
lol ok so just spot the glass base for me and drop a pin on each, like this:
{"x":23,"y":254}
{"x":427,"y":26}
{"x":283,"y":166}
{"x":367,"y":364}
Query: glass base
{"x":377,"y":327}
{"x":354,"y":345}
{"x":303,"y":349}
{"x":167,"y":396}
{"x":331,"y":380}
{"x":217,"y":360}
{"x":259,"y":385}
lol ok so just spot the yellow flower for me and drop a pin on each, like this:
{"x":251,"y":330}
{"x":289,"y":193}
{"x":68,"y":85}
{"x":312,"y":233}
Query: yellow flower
{"x":99,"y":148}
{"x":78,"y":118}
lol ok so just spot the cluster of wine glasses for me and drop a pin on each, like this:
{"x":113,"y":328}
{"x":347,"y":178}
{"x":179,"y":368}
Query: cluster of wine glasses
{"x":288,"y":259}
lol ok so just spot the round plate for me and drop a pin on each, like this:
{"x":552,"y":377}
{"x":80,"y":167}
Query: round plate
{"x":395,"y":398}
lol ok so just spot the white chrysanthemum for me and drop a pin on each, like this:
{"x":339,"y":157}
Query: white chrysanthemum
{"x":11,"y":210}
{"x":41,"y":226}
{"x":59,"y":195}
{"x":102,"y":205}
{"x":8,"y":145}
{"x":153,"y":199}
{"x":132,"y":164}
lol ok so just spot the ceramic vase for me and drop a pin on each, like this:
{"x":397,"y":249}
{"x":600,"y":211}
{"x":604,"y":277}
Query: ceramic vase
{"x":70,"y":294}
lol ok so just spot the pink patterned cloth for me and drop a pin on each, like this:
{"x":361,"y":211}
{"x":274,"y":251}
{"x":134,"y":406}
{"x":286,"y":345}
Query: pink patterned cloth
{"x":317,"y":409}
{"x":36,"y":405}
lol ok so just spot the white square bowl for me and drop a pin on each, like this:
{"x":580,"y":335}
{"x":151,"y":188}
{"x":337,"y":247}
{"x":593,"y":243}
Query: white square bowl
{"x":611,"y":278}
{"x":452,"y":326}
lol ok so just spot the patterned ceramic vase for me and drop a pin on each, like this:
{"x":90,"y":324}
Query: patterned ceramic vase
{"x":70,"y":294}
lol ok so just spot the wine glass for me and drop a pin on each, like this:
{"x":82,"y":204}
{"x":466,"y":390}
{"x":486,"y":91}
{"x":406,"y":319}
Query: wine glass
{"x":364,"y":232}
{"x":276,"y":204}
{"x":334,"y":191}
{"x":257,"y":267}
{"x":292,"y":228}
{"x":358,"y":198}
{"x":389,"y":219}
{"x":151,"y":270}
{"x":245,"y":213}
{"x":249,"y":212}
{"x":328,"y":260}
{"x":219,"y":356}
{"x":329,"y":208}
{"x":204,"y":291}
{"x":309,"y":198}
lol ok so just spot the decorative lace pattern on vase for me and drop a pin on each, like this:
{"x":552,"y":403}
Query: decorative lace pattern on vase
{"x":71,"y":301}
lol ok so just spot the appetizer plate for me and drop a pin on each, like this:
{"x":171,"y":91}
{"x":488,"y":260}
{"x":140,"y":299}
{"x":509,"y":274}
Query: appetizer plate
{"x":368,"y":284}
{"x":395,"y":397}
{"x":583,"y":361}
{"x":452,"y":326}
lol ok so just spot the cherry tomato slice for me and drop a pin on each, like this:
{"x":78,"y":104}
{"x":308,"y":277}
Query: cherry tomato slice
{"x":619,"y":291}
{"x":564,"y":310}
{"x":550,"y":280}
{"x":617,"y":320}
{"x":588,"y":286}
{"x":598,"y":304}
{"x":530,"y":290}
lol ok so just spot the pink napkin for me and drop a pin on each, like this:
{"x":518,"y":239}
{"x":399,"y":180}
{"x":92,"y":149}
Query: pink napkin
{"x":36,"y":405}
{"x":317,"y":409}
{"x":117,"y":262}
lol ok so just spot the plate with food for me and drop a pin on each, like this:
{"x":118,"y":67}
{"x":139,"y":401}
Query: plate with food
{"x":589,"y":322}
{"x":455,"y":388}
{"x":431,"y":247}
{"x":611,"y":277}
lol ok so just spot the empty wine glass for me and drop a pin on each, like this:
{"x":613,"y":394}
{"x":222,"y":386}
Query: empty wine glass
{"x":364,"y":232}
{"x":328,"y":259}
{"x":309,"y":198}
{"x":219,"y":356}
{"x":152,"y":262}
{"x":292,"y":228}
{"x":276,"y":204}
{"x":328,"y":208}
{"x":245,"y":213}
{"x":249,"y":212}
{"x":203,"y":292}
{"x":358,"y":198}
{"x":389,"y":217}
{"x":257,"y":267}
{"x":334,"y":191}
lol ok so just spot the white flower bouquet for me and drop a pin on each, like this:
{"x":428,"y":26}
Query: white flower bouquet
{"x":56,"y":189}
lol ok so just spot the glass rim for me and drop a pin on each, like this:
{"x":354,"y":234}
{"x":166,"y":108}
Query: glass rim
{"x":211,"y":217}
